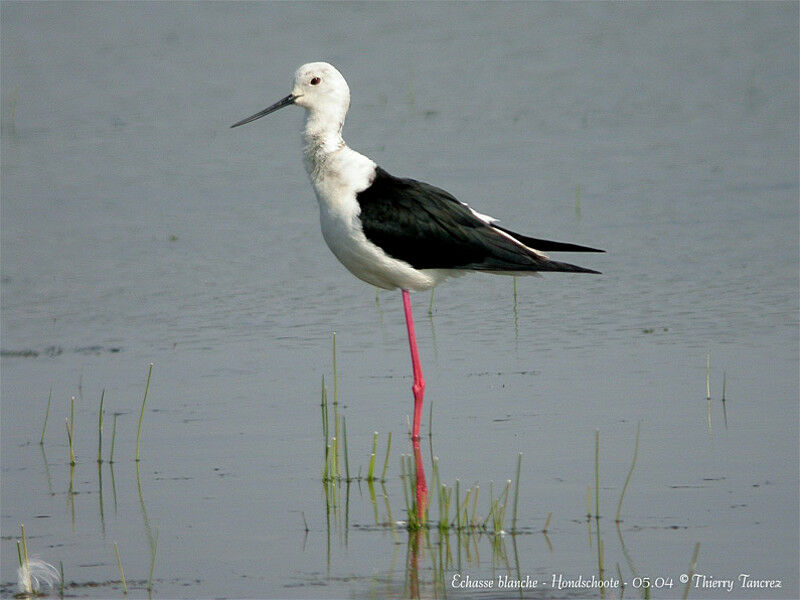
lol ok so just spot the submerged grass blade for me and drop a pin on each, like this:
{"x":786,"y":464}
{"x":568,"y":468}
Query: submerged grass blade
{"x":141,"y":414}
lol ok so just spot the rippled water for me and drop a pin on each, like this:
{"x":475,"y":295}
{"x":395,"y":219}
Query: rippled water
{"x":137,"y":228}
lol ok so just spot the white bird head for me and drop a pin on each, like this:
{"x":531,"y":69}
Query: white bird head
{"x":320,"y":89}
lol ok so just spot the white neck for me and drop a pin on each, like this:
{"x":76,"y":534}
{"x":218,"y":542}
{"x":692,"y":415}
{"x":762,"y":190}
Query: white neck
{"x":322,"y":134}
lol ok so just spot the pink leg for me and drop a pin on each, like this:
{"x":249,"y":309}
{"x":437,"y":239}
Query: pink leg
{"x":419,"y":383}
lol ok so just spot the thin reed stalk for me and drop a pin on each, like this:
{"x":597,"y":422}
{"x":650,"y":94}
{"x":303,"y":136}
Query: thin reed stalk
{"x":723,"y":386}
{"x":121,"y":572}
{"x":71,"y":430}
{"x":153,"y":550}
{"x":404,"y":478}
{"x":475,"y":505}
{"x":346,"y":460}
{"x":458,"y":508}
{"x":371,"y":470}
{"x":50,"y":398}
{"x":547,"y":523}
{"x":630,"y":472}
{"x":113,"y":439}
{"x":335,"y":408}
{"x":325,"y":443}
{"x":100,"y":429}
{"x":141,"y":414}
{"x":597,"y":473}
{"x":516,"y":493}
{"x":386,"y":458}
{"x":692,"y":567}
{"x":69,"y":439}
{"x":25,"y":557}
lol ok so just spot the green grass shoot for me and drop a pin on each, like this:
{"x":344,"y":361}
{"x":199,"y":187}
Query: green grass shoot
{"x":723,"y":391}
{"x":474,"y":520}
{"x":113,"y":439}
{"x":497,"y":510}
{"x":153,"y":550}
{"x":121,"y":572}
{"x":71,"y":430}
{"x":47,"y":414}
{"x":371,"y":470}
{"x":458,"y":508}
{"x":708,"y":376}
{"x":630,"y":473}
{"x":100,"y":429}
{"x":546,"y":527}
{"x":141,"y":414}
{"x":692,"y":567}
{"x":597,"y":473}
{"x":69,"y":439}
{"x":325,"y":427}
{"x":516,"y":493}
{"x":26,"y":561}
{"x":335,"y":410}
{"x":404,"y":477}
{"x":346,"y":460}
{"x":386,"y":458}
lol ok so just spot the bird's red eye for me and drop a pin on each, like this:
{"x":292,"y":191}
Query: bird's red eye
{"x":315,"y":81}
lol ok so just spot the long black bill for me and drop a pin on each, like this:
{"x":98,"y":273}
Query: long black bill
{"x":279,"y":104}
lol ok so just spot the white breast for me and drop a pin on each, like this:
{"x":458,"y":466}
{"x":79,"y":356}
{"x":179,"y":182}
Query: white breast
{"x":337,"y":178}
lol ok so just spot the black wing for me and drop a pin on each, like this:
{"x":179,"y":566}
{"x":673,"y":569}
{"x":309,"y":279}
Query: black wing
{"x":430,"y":229}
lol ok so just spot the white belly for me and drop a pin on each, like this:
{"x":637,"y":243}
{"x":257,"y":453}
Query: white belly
{"x":367,"y":261}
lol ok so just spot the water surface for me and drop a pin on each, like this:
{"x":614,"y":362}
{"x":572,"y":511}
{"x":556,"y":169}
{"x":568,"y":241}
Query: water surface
{"x":138,"y":228}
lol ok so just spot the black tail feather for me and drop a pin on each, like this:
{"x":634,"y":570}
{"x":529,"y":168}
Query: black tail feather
{"x":547,"y":245}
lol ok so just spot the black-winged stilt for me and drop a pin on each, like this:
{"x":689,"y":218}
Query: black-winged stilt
{"x":392,"y":232}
